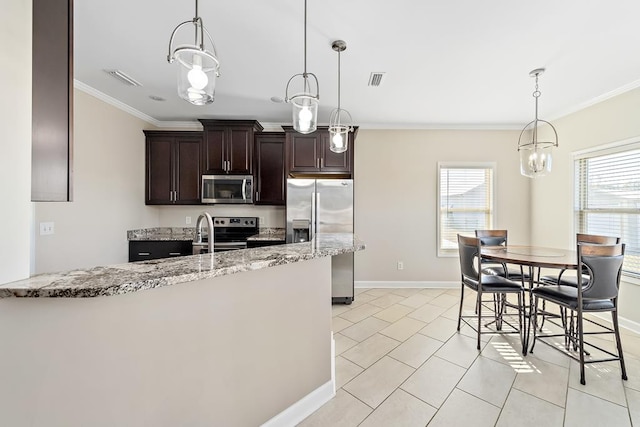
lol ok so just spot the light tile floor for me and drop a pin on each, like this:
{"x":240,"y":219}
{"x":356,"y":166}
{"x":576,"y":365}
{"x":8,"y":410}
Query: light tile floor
{"x":401,"y":362}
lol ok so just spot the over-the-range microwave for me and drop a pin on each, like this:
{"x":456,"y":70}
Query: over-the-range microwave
{"x":227,"y":189}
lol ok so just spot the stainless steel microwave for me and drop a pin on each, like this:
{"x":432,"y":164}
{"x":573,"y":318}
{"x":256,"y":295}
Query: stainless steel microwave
{"x":227,"y":189}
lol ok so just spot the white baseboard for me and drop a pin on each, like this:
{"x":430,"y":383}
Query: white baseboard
{"x":407,"y":284}
{"x":306,"y":406}
{"x":622,"y":321}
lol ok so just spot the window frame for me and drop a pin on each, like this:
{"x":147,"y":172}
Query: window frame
{"x":449,"y":253}
{"x":617,"y":147}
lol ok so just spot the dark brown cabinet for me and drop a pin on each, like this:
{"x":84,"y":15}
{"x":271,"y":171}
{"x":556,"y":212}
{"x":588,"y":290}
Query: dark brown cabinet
{"x":173,"y":167}
{"x":310,"y":154}
{"x":227,"y":147}
{"x":270,"y":178}
{"x":143,"y":250}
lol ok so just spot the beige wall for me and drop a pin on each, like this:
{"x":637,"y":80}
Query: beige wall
{"x":108,"y":191}
{"x":395,"y":202}
{"x":552,"y":196}
{"x":15,"y":143}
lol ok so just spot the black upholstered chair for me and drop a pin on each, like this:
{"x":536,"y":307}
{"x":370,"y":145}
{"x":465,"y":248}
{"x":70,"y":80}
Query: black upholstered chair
{"x":495,"y":285}
{"x":572,"y":280}
{"x":498,"y":238}
{"x":603,"y":263}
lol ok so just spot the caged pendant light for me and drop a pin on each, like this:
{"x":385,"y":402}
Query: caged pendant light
{"x":304,"y":104}
{"x":535,"y":154}
{"x":340,"y":122}
{"x":197,"y":66}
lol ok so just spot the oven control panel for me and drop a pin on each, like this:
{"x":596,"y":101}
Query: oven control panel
{"x":226,"y":221}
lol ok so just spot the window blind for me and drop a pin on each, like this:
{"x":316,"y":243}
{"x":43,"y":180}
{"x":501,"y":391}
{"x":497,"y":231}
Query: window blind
{"x":607,"y":200}
{"x":465,"y":199}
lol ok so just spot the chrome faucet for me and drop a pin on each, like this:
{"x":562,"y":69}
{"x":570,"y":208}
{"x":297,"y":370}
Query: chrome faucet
{"x":197,"y":240}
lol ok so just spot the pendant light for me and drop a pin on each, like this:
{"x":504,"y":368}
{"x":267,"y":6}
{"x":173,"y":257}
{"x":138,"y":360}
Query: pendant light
{"x":305,"y":103}
{"x":535,"y":154}
{"x":197,"y":67}
{"x":340,"y":120}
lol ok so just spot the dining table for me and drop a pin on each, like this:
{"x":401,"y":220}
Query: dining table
{"x":531,"y":259}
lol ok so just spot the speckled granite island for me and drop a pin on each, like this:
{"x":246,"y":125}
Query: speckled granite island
{"x":235,"y":338}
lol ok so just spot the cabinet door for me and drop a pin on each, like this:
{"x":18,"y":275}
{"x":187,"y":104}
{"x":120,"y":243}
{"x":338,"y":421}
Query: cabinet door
{"x":214,"y":151}
{"x":270,"y":174}
{"x":335,"y":162}
{"x":187,"y":171}
{"x":159,"y":176}
{"x":239,"y":151}
{"x":304,"y":152}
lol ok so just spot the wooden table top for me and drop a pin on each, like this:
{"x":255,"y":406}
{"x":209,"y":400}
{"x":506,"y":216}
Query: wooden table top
{"x":534,"y":256}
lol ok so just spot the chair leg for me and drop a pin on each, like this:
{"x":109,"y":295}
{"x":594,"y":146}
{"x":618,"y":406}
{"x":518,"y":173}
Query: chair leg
{"x":460,"y":311}
{"x":580,"y":327}
{"x":534,"y":321}
{"x":479,"y":305}
{"x":616,"y":329}
{"x":520,"y":319}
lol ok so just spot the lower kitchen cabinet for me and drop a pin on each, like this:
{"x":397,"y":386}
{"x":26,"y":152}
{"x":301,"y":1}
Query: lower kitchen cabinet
{"x":143,"y":250}
{"x":173,"y":167}
{"x":270,"y":180}
{"x":263,"y":243}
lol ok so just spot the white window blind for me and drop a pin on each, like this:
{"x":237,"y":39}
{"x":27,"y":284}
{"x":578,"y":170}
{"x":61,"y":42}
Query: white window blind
{"x":465,"y":203}
{"x":607,"y":200}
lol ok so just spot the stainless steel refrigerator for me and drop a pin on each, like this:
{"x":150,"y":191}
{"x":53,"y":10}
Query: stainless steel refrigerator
{"x":323,"y":206}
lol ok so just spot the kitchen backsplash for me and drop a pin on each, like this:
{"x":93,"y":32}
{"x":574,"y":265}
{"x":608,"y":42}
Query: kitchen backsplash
{"x":175,"y":216}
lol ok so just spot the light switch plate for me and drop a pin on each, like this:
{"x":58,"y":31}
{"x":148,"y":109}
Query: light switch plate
{"x":46,"y":228}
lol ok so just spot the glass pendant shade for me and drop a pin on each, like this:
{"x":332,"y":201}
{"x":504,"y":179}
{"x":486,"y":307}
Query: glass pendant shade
{"x":304,"y":113}
{"x":535,"y":160}
{"x":197,"y":67}
{"x":338,"y":131}
{"x":197,"y":72}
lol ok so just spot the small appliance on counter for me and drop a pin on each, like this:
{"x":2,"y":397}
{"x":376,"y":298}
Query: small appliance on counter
{"x":323,"y":206}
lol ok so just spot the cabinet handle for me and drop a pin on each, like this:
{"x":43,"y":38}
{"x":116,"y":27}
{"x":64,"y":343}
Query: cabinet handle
{"x":174,"y":254}
{"x":144,"y":253}
{"x":257,"y":196}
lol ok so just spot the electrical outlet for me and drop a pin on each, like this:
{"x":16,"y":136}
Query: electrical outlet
{"x":261,"y":220}
{"x":400,"y":265}
{"x":187,"y":220}
{"x":46,"y":228}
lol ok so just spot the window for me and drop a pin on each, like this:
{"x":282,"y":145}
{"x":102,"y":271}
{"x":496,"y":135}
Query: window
{"x":465,"y":202}
{"x":607,"y":199}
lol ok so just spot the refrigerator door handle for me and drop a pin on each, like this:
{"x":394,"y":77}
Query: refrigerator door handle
{"x":313,"y":215}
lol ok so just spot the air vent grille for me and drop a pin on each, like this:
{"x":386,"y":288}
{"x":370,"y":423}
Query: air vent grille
{"x":376,"y":78}
{"x":128,"y":80}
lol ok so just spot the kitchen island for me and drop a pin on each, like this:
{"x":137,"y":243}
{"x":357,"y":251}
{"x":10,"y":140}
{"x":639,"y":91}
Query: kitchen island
{"x":235,"y":338}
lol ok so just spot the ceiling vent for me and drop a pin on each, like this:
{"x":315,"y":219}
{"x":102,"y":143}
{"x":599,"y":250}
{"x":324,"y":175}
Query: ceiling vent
{"x":123,"y":77}
{"x":375,"y":79}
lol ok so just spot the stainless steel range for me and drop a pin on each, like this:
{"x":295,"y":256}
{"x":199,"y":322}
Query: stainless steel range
{"x":231,"y":233}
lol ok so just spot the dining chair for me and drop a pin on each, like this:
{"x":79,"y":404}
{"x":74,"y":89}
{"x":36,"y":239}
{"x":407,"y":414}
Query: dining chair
{"x":570,"y":279}
{"x":498,"y":238}
{"x":600,"y":294}
{"x":473,"y":278}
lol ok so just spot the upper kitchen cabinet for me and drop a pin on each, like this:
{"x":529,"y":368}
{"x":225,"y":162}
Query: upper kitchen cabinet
{"x":228,"y":146}
{"x":173,"y":162}
{"x":51,"y":99}
{"x":270,"y":178}
{"x":310,"y":154}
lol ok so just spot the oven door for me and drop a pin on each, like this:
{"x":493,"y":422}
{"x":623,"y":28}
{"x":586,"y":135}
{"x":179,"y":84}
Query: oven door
{"x":228,"y":246}
{"x":228,"y":189}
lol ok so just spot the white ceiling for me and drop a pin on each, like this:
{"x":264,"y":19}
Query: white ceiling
{"x":456,"y":63}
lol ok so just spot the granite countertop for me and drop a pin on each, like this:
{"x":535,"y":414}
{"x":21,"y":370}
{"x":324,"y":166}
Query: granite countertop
{"x":270,"y":235}
{"x":137,"y":276}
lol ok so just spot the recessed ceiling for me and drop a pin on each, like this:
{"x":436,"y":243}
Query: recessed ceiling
{"x":459,"y":63}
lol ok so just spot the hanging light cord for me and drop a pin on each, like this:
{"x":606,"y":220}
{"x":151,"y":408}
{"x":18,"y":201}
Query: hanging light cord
{"x":338,"y":79}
